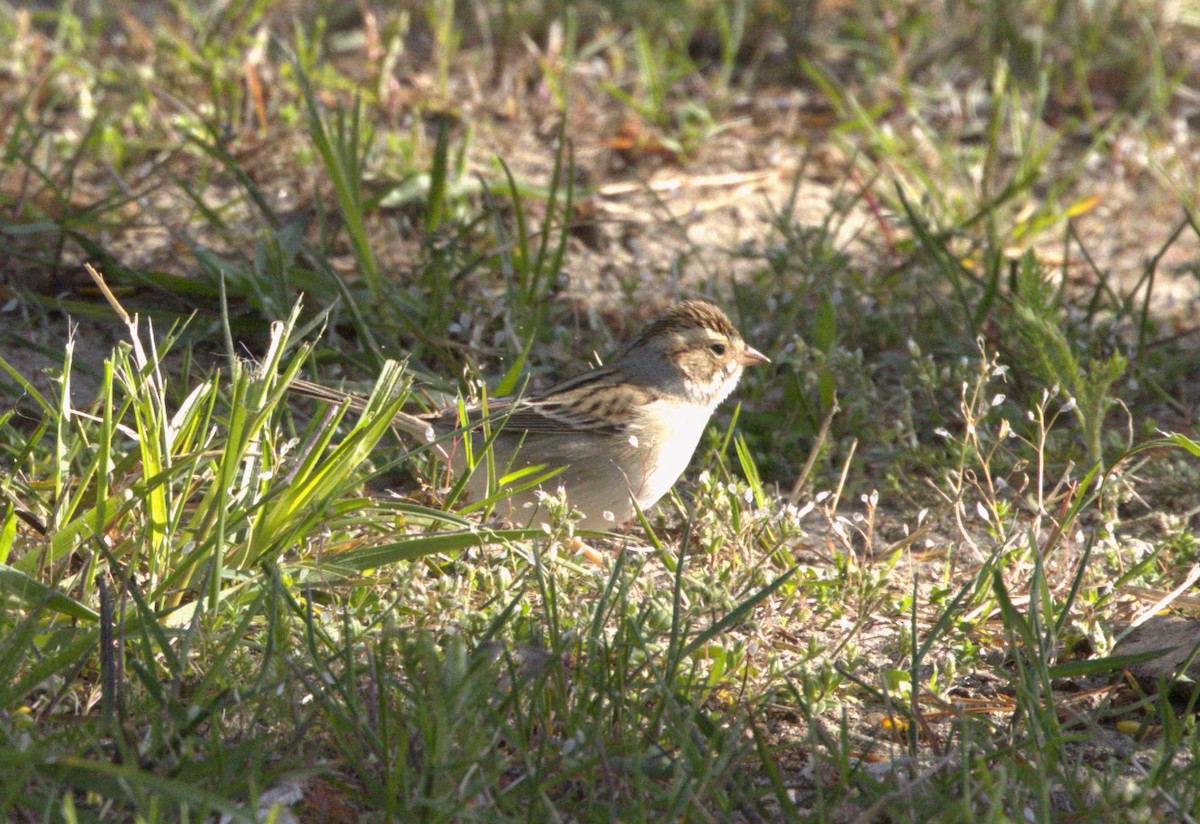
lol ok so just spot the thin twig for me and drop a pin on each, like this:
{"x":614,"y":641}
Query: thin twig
{"x":822,"y":434}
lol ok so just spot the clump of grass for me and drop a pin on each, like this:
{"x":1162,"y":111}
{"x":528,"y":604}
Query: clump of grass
{"x":1050,"y":356}
{"x":203,"y":527}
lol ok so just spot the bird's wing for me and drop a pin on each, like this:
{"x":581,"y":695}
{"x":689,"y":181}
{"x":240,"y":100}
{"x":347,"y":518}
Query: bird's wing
{"x":587,"y":403}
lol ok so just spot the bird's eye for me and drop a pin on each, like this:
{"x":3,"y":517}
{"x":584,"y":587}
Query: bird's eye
{"x":717,"y":349}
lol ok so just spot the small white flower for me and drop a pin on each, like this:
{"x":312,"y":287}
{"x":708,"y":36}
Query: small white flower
{"x":797,"y":514}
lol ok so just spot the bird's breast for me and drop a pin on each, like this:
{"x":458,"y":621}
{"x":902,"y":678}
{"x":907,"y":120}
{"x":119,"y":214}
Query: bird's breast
{"x":667,"y":452}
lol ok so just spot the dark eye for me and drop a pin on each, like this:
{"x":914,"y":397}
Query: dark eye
{"x":717,"y":349}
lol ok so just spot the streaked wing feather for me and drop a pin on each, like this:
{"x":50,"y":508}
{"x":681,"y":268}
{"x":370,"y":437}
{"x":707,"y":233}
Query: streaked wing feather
{"x":571,"y":405}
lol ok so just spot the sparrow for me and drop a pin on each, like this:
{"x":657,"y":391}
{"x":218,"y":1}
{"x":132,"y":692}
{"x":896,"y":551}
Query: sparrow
{"x":620,"y":433}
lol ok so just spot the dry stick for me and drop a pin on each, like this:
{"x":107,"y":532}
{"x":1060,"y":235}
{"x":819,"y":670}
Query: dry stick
{"x":837,"y":494}
{"x":1190,"y":603}
{"x":131,"y":323}
{"x":701,"y":181}
{"x":108,"y":295}
{"x":1149,"y":612}
{"x":816,"y":450}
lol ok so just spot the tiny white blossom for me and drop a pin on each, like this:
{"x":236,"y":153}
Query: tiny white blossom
{"x":797,"y":514}
{"x":982,"y":510}
{"x":1069,"y":405}
{"x":997,"y":400}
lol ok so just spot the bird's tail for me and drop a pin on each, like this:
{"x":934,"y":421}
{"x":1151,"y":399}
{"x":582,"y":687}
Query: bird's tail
{"x":337,"y":397}
{"x":418,"y":428}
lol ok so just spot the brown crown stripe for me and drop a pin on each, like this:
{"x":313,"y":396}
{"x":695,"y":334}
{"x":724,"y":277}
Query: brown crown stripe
{"x":689,"y":314}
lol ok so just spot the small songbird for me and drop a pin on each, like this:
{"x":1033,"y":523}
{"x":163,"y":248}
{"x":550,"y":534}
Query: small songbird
{"x":624,"y":431}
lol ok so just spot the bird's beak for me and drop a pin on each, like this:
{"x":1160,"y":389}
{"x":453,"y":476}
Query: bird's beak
{"x":752,"y":357}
